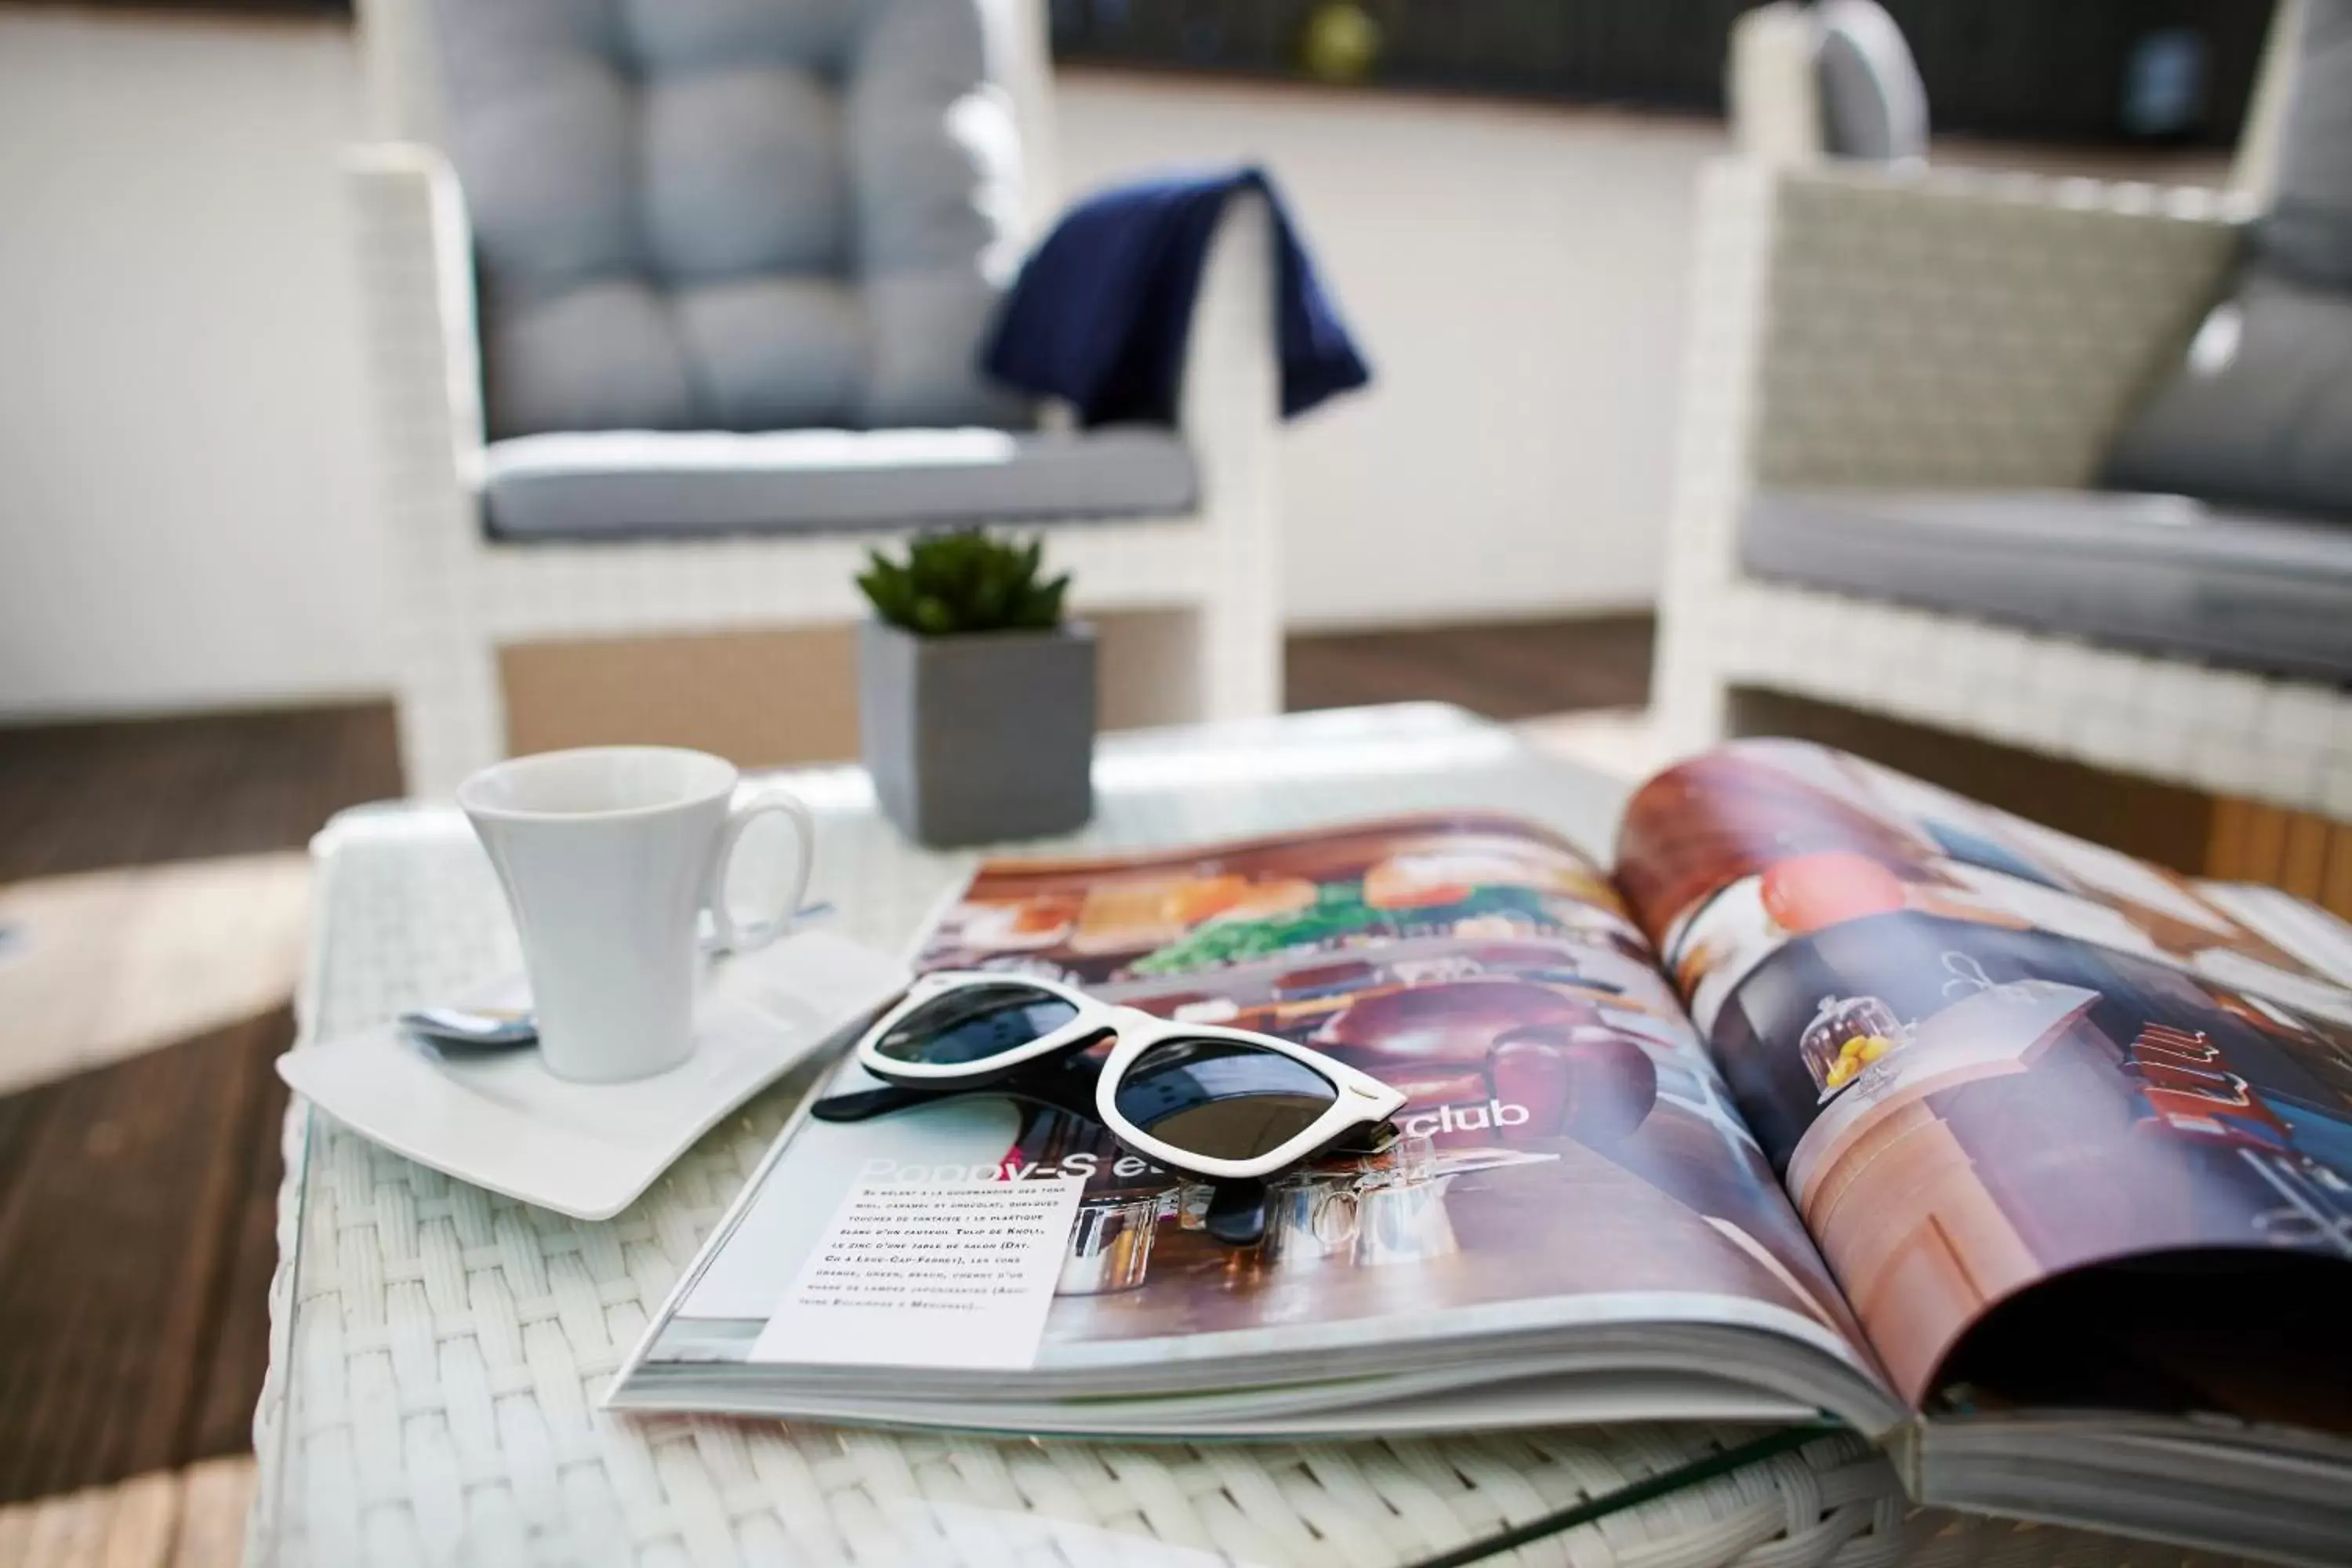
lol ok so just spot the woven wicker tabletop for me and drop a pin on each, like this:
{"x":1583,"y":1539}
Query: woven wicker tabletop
{"x":438,"y":1352}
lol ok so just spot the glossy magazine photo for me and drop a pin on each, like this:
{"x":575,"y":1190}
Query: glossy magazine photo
{"x":1842,"y":1095}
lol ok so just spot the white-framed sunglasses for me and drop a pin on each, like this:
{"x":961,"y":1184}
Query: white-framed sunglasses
{"x":1229,"y":1105}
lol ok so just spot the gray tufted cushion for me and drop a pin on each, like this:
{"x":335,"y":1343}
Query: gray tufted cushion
{"x":744,"y":215}
{"x":2260,"y":412}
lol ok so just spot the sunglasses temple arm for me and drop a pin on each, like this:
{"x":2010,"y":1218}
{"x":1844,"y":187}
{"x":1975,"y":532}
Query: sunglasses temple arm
{"x":1236,"y":1213}
{"x":864,"y":1105}
{"x":1056,"y":1086}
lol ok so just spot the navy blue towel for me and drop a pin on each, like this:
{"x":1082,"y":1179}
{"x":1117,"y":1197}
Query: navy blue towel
{"x":1101,"y":310}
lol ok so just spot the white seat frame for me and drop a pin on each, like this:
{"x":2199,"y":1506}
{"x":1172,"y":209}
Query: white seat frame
{"x":1915,"y":331}
{"x":456,"y":595}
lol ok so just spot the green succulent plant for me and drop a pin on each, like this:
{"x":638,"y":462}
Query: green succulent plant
{"x":964,"y":581}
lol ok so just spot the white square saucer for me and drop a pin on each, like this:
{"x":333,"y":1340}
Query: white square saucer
{"x":500,"y":1120}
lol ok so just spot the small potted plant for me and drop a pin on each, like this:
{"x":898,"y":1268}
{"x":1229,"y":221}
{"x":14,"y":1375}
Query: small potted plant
{"x":975,"y":698}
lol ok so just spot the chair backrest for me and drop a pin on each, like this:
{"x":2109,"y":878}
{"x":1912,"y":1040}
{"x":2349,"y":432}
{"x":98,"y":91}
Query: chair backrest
{"x":1829,"y":80}
{"x":729,"y":213}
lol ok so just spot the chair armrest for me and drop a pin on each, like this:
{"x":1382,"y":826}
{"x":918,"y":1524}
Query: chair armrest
{"x":1229,"y":380}
{"x":414,"y":252}
{"x":1946,"y":330}
{"x":1229,"y":408}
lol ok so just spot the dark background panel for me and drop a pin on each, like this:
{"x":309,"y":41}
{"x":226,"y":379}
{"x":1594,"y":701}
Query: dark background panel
{"x":2028,"y":70}
{"x":2040,"y":70}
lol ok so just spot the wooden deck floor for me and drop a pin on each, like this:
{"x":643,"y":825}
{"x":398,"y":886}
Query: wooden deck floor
{"x":137,"y":1200}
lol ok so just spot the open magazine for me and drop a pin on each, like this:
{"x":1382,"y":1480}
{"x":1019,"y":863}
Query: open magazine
{"x":1842,"y":1095}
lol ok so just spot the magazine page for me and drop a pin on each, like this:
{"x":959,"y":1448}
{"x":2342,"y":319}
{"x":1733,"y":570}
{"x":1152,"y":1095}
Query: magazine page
{"x":1568,"y":1154}
{"x":1988,"y":1059}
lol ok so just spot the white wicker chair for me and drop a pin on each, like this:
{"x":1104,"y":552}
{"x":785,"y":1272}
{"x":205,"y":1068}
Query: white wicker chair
{"x":457,"y":595}
{"x":1863,"y":328}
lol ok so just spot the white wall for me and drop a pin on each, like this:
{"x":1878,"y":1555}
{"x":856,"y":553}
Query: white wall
{"x":1516,"y":276}
{"x":182,"y":515}
{"x":184,"y":511}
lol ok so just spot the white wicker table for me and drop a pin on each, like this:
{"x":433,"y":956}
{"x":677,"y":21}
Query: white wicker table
{"x":436,"y":1351}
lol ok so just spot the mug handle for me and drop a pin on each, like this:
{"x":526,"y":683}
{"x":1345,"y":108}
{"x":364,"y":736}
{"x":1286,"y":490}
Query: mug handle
{"x":736,"y":936}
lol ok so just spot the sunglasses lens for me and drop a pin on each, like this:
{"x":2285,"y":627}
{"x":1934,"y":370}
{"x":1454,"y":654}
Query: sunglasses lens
{"x":974,"y":1023}
{"x":1223,"y":1098}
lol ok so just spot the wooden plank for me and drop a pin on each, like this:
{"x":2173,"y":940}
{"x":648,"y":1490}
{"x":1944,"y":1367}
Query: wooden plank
{"x":2266,"y":843}
{"x":2300,"y":852}
{"x":2335,"y":887}
{"x":117,"y":1243}
{"x":123,"y":961}
{"x":2225,"y":855}
{"x":760,"y":697}
{"x":115,"y":794}
{"x":67,"y":1531}
{"x":137,"y":1202}
{"x":185,"y":1519}
{"x":213,"y":1504}
{"x":82,"y":796}
{"x":16,"y":1533}
{"x":2303,"y":866}
{"x":132,"y":1525}
{"x":20,"y":1116}
{"x":239,"y":1353}
{"x":143,"y":1523}
{"x":1503,"y":671}
{"x":367,"y":761}
{"x":76,"y":797}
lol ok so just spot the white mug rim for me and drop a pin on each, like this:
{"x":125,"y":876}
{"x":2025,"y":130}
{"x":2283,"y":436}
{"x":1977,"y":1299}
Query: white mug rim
{"x":469,"y":792}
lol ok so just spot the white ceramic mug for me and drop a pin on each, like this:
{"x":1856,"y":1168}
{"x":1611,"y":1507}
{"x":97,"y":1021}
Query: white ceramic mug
{"x":609,"y":855}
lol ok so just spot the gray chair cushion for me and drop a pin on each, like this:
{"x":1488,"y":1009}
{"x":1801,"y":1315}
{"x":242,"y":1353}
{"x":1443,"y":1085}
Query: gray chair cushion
{"x":2261,"y":414}
{"x":2308,"y":232}
{"x":1874,"y":105}
{"x":2159,"y":572}
{"x":657,"y":484}
{"x":741,"y":215}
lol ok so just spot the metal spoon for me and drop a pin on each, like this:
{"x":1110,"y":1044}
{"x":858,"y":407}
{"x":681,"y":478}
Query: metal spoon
{"x":473,"y":1028}
{"x":506,"y":1028}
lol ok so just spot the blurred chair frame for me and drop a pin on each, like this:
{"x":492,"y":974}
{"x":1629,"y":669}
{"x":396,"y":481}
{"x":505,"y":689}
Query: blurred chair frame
{"x":1947,"y":331}
{"x":457,"y":596}
{"x":1771,"y":88}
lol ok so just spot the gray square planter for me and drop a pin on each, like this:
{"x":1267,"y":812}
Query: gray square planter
{"x":980,"y":738}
